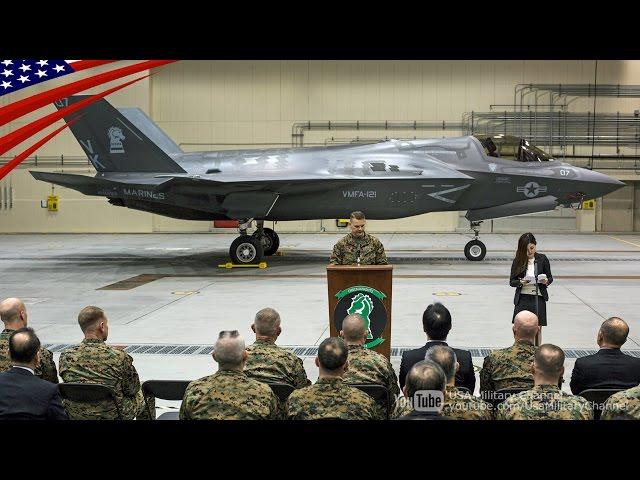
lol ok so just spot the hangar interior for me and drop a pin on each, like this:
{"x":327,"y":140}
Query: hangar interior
{"x":164,"y":296}
{"x":219,"y":105}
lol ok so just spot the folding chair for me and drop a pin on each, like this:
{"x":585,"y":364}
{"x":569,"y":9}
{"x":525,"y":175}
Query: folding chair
{"x":164,"y":390}
{"x":281,"y":390}
{"x":89,"y":393}
{"x":596,"y":397}
{"x":379,"y":393}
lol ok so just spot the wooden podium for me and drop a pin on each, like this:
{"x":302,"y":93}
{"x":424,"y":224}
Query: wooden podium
{"x":364,"y":289}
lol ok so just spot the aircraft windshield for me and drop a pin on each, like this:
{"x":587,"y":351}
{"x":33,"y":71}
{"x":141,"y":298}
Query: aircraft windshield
{"x":512,"y":148}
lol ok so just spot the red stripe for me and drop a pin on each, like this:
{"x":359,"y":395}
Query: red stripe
{"x":18,"y":160}
{"x":84,"y":64}
{"x":14,"y":138}
{"x":29,"y":104}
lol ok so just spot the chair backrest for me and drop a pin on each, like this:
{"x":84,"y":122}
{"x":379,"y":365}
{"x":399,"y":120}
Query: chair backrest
{"x":499,"y":396}
{"x":596,"y":397}
{"x":376,"y":391}
{"x":89,"y":393}
{"x":281,"y":390}
{"x":165,"y":389}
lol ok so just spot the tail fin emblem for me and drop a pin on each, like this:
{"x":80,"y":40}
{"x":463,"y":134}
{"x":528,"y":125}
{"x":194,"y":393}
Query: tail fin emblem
{"x":115,"y":140}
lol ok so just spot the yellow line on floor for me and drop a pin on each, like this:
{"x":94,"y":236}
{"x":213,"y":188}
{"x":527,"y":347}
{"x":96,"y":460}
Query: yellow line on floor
{"x":625,"y":241}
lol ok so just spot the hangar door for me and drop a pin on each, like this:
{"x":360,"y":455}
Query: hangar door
{"x":617,"y":210}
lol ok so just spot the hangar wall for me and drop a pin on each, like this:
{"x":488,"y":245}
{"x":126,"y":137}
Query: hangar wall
{"x":210,"y":105}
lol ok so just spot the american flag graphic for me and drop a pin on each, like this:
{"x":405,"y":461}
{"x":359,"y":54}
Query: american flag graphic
{"x":16,"y":74}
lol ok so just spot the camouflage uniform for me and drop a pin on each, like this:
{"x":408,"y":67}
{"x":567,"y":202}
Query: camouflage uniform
{"x":331,"y":398}
{"x":368,"y":366}
{"x":46,"y":369}
{"x":624,"y":404}
{"x":507,"y":368}
{"x":228,"y":395}
{"x":93,"y":361}
{"x":544,"y":402}
{"x":267,"y":362}
{"x":458,"y":405}
{"x":345,"y":252}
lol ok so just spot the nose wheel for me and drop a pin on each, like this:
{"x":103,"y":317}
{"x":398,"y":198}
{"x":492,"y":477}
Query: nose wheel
{"x":475,"y":250}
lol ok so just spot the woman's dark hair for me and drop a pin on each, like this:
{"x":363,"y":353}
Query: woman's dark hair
{"x":521,"y":253}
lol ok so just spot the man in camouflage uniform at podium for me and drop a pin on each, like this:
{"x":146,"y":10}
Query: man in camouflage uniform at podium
{"x":358,"y":247}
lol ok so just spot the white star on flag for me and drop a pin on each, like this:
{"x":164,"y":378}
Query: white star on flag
{"x":42,"y":63}
{"x":24,"y":67}
{"x":6,"y":73}
{"x":58,"y":68}
{"x":6,"y":84}
{"x":41,"y":74}
{"x":6,"y":63}
{"x":23,"y":78}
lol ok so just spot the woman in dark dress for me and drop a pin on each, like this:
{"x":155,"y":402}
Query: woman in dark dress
{"x":529,"y":263}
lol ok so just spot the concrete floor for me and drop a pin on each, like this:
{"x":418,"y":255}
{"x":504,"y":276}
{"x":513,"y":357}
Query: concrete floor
{"x":597,"y":276}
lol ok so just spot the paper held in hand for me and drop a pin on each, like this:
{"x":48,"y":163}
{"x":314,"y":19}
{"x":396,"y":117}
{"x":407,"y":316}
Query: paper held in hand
{"x":541,"y":277}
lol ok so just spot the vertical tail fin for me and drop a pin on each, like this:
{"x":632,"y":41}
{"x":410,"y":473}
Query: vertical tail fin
{"x":113,"y":143}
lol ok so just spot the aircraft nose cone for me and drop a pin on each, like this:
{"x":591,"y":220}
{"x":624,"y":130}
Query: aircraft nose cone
{"x":602,"y":184}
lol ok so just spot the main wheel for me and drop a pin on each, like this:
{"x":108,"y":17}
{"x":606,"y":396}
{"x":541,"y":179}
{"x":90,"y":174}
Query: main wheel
{"x":270,"y":241}
{"x":475,"y":250}
{"x":245,"y":250}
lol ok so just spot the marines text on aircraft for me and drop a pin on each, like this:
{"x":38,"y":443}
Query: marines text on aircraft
{"x":140,"y":167}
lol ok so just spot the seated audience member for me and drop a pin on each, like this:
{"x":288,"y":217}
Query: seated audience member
{"x":266,"y":361}
{"x":623,"y":405}
{"x":330,"y":396}
{"x":13,"y":314}
{"x":424,"y":375}
{"x":229,"y":394}
{"x":545,"y":401}
{"x":609,"y":368}
{"x":366,"y":366}
{"x":93,"y":361}
{"x":24,"y":396}
{"x":511,"y":367}
{"x":458,"y":404}
{"x":436,"y":322}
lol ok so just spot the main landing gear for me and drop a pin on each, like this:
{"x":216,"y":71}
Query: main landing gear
{"x":248,"y":249}
{"x":475,"y":250}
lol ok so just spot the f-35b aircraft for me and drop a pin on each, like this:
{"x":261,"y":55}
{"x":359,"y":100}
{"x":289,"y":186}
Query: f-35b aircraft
{"x":140,"y":167}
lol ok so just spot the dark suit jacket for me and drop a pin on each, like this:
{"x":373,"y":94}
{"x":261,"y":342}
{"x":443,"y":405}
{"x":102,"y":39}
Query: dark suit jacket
{"x":23,"y":396}
{"x":609,"y":368}
{"x":541,"y":266}
{"x":465,"y":377}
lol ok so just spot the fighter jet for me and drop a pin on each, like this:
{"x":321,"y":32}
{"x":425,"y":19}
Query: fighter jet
{"x":138,"y":166}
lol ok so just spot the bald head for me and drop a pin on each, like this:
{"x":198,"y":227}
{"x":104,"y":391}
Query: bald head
{"x":24,"y":346}
{"x":267,"y":323}
{"x":525,"y":326}
{"x":13,"y":313}
{"x":353,"y":329}
{"x":229,"y":351}
{"x":425,"y":375}
{"x":548,"y":364}
{"x":445,"y":357}
{"x":613,"y":333}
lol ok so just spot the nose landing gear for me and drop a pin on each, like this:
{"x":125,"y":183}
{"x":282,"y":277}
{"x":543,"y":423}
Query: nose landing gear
{"x":475,"y":250}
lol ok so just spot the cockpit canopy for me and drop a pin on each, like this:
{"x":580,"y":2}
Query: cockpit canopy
{"x":512,"y":148}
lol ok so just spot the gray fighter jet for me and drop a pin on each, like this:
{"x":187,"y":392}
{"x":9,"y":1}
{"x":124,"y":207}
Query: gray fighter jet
{"x":140,"y":167}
